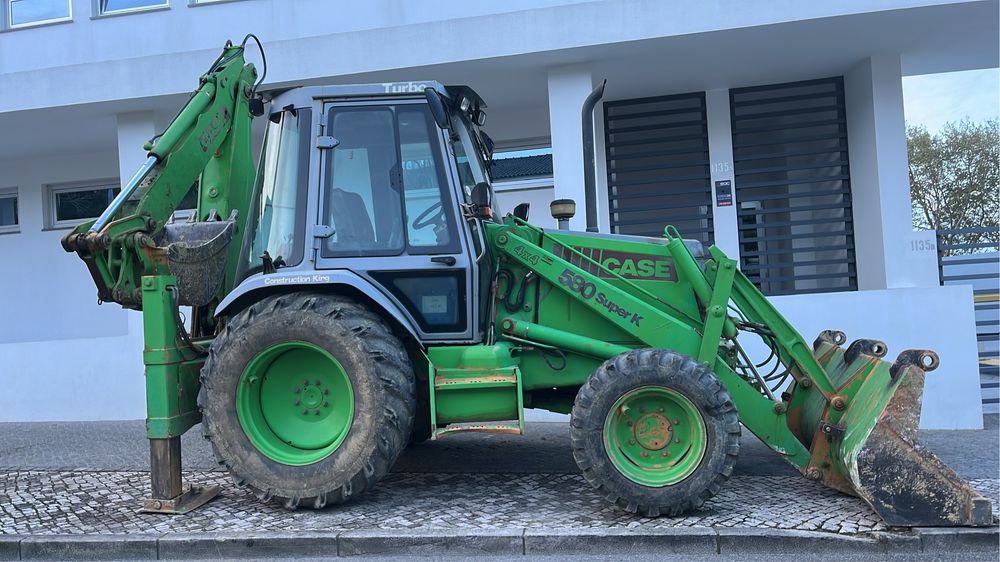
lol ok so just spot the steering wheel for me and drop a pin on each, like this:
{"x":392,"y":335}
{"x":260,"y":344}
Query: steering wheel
{"x":433,"y":214}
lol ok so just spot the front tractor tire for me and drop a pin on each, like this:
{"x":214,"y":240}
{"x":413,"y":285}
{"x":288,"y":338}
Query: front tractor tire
{"x":655,"y":432}
{"x":307,"y":398}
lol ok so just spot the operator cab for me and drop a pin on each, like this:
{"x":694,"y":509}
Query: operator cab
{"x":363,"y":180}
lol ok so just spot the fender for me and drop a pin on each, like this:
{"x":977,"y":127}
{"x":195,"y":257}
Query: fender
{"x":260,"y":285}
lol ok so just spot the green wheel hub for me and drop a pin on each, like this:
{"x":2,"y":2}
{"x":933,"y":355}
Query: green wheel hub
{"x":655,"y":436}
{"x":295,"y":403}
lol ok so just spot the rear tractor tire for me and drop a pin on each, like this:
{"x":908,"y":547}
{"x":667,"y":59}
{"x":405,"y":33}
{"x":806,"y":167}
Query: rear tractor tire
{"x":307,"y":398}
{"x":655,"y":432}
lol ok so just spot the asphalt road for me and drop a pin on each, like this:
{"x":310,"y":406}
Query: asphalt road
{"x":544,"y":448}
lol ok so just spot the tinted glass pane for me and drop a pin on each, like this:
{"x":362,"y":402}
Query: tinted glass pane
{"x":8,"y":211}
{"x":430,"y":227}
{"x":362,"y":191}
{"x":30,"y":11}
{"x":80,"y":205}
{"x":116,"y":5}
{"x":278,"y":214}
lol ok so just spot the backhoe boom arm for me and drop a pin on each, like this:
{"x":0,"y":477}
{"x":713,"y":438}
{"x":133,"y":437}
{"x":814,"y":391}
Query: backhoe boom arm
{"x":209,"y":139}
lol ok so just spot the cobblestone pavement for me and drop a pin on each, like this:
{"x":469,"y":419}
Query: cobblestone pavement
{"x":104,"y":502}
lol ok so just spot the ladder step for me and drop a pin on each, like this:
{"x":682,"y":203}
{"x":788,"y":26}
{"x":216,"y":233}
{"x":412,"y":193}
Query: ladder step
{"x":512,"y":428}
{"x":488,"y":381}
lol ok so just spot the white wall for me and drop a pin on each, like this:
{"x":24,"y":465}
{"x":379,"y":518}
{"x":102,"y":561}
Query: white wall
{"x":62,"y":356}
{"x":941,"y":319}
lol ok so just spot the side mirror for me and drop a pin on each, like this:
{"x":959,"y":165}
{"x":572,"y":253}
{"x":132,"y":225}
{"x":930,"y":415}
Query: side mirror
{"x":438,"y":108}
{"x":521,"y":211}
{"x":481,"y":200}
{"x":563,"y":210}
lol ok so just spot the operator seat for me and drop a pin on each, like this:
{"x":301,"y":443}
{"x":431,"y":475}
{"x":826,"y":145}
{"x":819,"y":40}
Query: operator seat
{"x":351,"y":222}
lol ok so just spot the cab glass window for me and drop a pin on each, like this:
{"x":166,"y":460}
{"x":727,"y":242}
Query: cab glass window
{"x":385,"y":185}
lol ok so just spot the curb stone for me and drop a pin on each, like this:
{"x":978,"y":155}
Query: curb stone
{"x":953,"y":540}
{"x":440,"y":542}
{"x":681,"y":540}
{"x":88,"y":547}
{"x":792,"y":541}
{"x":10,"y":547}
{"x":507,"y":542}
{"x":196,"y":545}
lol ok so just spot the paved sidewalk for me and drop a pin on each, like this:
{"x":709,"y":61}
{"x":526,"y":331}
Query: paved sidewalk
{"x":88,"y":479}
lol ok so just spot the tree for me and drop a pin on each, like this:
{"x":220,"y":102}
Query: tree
{"x":955,"y":179}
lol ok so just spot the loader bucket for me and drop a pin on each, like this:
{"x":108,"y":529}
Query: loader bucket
{"x":196,"y":255}
{"x":864,"y":440}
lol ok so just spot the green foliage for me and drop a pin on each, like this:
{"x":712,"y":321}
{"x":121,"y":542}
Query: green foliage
{"x":955,"y":178}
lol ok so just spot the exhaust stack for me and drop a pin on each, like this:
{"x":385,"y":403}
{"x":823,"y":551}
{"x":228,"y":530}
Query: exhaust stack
{"x":590,"y":156}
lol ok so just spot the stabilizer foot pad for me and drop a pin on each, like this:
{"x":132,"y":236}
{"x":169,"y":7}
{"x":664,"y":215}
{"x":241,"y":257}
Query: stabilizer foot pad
{"x":192,"y":499}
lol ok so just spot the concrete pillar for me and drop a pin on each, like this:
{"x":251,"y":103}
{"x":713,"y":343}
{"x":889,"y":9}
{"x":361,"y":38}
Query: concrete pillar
{"x":134,"y":129}
{"x":720,"y":153}
{"x":880,"y":186}
{"x":568,"y":87}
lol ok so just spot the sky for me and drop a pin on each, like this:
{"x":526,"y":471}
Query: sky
{"x":932,"y":100}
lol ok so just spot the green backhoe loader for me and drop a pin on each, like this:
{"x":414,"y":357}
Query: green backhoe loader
{"x":360,"y":291}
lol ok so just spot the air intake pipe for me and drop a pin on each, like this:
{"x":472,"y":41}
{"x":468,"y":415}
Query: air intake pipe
{"x":590,"y":156}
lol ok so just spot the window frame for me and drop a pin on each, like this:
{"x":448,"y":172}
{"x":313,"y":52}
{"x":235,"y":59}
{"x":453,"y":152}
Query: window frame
{"x":52,"y":221}
{"x":196,"y":3}
{"x":439,"y":153}
{"x":12,"y":193}
{"x":7,"y":24}
{"x":100,"y":12}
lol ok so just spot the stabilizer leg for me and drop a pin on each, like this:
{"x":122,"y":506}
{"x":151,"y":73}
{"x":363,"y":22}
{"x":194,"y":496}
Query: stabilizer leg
{"x":168,"y":494}
{"x":172,"y":369}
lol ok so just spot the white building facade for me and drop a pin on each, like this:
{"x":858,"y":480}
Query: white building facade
{"x":773,"y":129}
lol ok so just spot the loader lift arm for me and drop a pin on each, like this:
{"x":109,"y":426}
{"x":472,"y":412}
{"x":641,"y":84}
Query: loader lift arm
{"x":849,"y":420}
{"x":140,"y":259}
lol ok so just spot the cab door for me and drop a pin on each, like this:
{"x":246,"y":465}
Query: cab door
{"x":386,"y":196}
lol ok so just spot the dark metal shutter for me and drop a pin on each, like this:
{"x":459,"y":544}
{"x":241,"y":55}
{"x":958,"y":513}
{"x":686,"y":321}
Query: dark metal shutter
{"x":793,"y":187}
{"x":658,"y":167}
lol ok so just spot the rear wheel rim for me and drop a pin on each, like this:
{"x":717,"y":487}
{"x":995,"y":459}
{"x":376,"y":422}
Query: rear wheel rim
{"x":655,"y":436}
{"x":295,"y":403}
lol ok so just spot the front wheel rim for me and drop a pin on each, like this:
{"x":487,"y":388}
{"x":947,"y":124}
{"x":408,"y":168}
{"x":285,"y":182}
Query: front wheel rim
{"x":655,"y":436}
{"x":295,"y":403}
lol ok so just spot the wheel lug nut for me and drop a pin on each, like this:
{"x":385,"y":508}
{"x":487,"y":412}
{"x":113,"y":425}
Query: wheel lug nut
{"x":326,"y":404}
{"x":663,"y":454}
{"x":297,"y":390}
{"x":305,"y":382}
{"x":676,"y":440}
{"x":304,"y":412}
{"x":631,"y":441}
{"x":326,"y":391}
{"x":315,"y":412}
{"x":317,"y":382}
{"x":660,"y":409}
{"x":677,"y":422}
{"x":297,"y":402}
{"x":629,"y":423}
{"x":645,"y":454}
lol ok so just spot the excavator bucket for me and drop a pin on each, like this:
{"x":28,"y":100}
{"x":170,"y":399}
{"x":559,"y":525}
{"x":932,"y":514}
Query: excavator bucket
{"x":864,"y":441}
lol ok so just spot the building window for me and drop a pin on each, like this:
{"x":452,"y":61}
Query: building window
{"x":8,"y":211}
{"x":26,"y":13}
{"x":120,"y":6}
{"x":793,"y":187}
{"x":658,"y":168}
{"x":71,"y":205}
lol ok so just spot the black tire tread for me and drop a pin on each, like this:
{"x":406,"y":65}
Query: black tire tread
{"x":394,"y":370}
{"x":584,"y":417}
